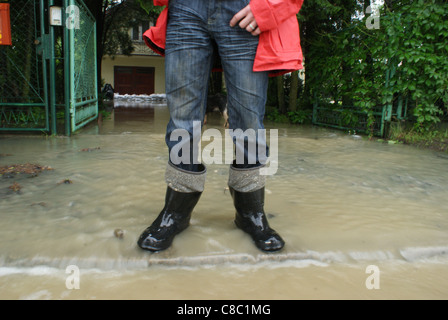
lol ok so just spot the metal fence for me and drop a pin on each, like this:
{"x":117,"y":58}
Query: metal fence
{"x":23,"y":88}
{"x":375,"y":122}
{"x":82,"y":65}
{"x":48,"y":77}
{"x":356,"y":92}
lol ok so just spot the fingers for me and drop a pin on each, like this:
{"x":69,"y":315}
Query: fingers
{"x":238,"y":16}
{"x":246,"y":20}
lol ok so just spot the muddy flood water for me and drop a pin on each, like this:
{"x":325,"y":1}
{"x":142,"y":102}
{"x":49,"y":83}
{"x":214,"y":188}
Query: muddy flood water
{"x":361,"y":219}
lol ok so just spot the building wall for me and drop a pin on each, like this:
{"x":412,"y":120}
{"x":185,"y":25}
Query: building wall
{"x":136,"y":61}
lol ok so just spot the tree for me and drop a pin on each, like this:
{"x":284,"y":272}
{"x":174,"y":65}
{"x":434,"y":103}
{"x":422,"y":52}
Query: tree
{"x":114,"y":18}
{"x":293,"y":91}
{"x":149,"y":7}
{"x":281,"y":94}
{"x":370,"y":75}
{"x":319,"y":21}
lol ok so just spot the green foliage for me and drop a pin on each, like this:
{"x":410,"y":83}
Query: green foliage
{"x":119,"y":18}
{"x":292,"y":117}
{"x":299,"y":116}
{"x":291,"y":89}
{"x":152,"y":10}
{"x":275,"y":116}
{"x":435,"y":139}
{"x":369,"y":68}
{"x":349,"y":118}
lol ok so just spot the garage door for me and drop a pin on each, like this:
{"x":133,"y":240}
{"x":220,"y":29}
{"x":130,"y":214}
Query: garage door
{"x":134,"y":80}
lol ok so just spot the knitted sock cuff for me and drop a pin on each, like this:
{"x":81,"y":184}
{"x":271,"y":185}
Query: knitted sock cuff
{"x":185,"y":181}
{"x":246,"y":180}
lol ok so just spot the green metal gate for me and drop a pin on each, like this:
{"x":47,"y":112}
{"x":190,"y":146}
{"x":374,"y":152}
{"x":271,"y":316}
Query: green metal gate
{"x":81,"y":64}
{"x":48,"y":78}
{"x":23,"y":71}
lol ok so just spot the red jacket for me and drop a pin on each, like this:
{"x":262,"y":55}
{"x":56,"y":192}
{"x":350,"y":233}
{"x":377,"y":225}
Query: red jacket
{"x":279,"y":49}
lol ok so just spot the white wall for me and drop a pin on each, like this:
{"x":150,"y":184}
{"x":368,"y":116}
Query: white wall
{"x":157,"y":62}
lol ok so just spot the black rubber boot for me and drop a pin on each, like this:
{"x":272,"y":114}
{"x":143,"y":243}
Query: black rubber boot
{"x":174,"y":218}
{"x":250,"y":218}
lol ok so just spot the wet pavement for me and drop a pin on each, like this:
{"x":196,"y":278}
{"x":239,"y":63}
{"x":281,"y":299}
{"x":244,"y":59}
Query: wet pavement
{"x":361,"y":219}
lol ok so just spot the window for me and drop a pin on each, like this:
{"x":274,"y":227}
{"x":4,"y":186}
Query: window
{"x":139,"y":30}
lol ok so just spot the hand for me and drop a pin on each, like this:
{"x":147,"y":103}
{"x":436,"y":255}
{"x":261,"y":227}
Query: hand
{"x":246,"y":21}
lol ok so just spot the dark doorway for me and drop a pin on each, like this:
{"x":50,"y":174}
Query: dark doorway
{"x":134,"y":80}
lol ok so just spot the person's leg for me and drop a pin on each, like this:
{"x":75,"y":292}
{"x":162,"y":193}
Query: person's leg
{"x":188,"y":63}
{"x":247,"y":95}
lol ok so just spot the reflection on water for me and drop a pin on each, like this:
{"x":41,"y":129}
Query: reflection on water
{"x":341,"y":202}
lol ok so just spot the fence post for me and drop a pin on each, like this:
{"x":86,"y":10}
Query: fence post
{"x":388,"y":107}
{"x":52,"y":77}
{"x":67,"y":70}
{"x":45,"y":46}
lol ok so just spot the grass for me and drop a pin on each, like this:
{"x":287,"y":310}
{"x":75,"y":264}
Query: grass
{"x":436,"y":139}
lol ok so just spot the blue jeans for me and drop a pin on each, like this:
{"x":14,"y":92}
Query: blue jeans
{"x":195,"y":27}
